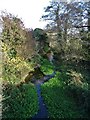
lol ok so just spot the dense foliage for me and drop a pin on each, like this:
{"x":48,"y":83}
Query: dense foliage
{"x":19,"y":103}
{"x":66,"y":40}
{"x":67,"y":95}
{"x":13,"y":39}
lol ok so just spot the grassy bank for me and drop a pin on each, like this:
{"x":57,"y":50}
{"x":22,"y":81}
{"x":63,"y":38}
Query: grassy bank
{"x":65,"y":96}
{"x":19,"y":103}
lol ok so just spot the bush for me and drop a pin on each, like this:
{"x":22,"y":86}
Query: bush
{"x":15,"y":70}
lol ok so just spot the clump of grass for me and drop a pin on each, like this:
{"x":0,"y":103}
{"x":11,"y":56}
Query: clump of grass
{"x":19,"y":103}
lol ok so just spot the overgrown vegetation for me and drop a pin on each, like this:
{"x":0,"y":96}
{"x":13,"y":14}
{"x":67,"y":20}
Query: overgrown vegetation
{"x":62,"y":47}
{"x":67,"y":95}
{"x":19,"y":102}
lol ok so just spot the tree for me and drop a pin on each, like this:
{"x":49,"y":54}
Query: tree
{"x":63,"y":16}
{"x":12,"y":29}
{"x":42,"y":44}
{"x":17,"y":47}
{"x":52,"y":14}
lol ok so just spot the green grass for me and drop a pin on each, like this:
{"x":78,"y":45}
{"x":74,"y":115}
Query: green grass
{"x":19,"y":103}
{"x":46,"y":67}
{"x":59,"y":104}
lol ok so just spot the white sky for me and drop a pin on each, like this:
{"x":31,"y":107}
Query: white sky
{"x":29,"y":10}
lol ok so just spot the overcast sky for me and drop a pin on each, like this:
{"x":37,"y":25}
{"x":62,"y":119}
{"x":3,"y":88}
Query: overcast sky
{"x":29,"y":10}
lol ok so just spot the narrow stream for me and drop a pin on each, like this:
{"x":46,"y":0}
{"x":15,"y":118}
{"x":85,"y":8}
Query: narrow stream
{"x":42,"y":113}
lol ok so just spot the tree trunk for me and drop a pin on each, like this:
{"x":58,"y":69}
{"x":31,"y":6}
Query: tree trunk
{"x":65,"y":29}
{"x":89,"y":21}
{"x":58,"y":20}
